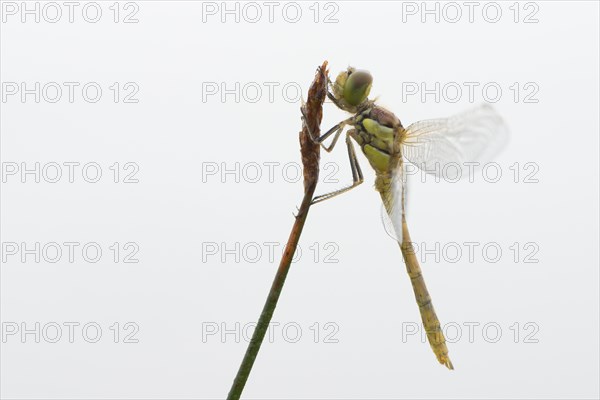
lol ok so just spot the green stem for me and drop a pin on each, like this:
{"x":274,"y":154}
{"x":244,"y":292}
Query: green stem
{"x":271,"y":303}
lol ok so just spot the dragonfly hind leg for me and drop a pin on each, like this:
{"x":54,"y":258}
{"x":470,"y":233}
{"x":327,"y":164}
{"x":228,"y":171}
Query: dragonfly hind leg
{"x":357,"y":175}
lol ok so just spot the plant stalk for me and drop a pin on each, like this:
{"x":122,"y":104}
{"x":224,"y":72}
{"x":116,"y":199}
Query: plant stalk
{"x":310,"y":152}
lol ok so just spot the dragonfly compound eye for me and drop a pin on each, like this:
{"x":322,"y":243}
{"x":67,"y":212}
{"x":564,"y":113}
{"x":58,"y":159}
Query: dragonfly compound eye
{"x":357,"y":87}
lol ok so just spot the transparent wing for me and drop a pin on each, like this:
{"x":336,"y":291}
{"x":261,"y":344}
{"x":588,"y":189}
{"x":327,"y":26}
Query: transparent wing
{"x":394,"y":205}
{"x":447,"y":147}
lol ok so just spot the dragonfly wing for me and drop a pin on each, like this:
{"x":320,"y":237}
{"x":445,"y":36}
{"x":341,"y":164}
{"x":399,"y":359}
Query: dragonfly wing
{"x":446,"y":147}
{"x":393,"y":207}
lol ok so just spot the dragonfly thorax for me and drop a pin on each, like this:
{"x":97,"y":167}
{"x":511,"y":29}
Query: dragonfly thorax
{"x":378,"y":132}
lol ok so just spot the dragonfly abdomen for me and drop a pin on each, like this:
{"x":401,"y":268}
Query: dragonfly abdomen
{"x":429,"y":318}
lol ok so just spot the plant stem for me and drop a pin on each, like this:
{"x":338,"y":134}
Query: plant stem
{"x":310,"y":160}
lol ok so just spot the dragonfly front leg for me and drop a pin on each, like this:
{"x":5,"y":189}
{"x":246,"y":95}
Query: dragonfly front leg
{"x":333,"y":99}
{"x":357,"y":175}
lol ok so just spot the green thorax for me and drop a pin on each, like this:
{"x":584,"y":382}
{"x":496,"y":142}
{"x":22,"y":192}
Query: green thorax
{"x":379,"y":134}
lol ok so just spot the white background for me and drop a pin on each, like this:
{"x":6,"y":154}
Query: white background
{"x":177,"y":291}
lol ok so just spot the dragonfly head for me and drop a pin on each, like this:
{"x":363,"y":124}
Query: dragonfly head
{"x":351,"y":88}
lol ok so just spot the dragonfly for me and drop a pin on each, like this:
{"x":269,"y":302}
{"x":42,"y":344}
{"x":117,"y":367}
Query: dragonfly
{"x":471,"y":137}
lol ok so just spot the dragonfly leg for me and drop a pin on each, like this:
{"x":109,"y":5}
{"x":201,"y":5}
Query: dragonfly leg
{"x":336,"y":129}
{"x":357,"y":175}
{"x":333,"y":99}
{"x":338,"y":132}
